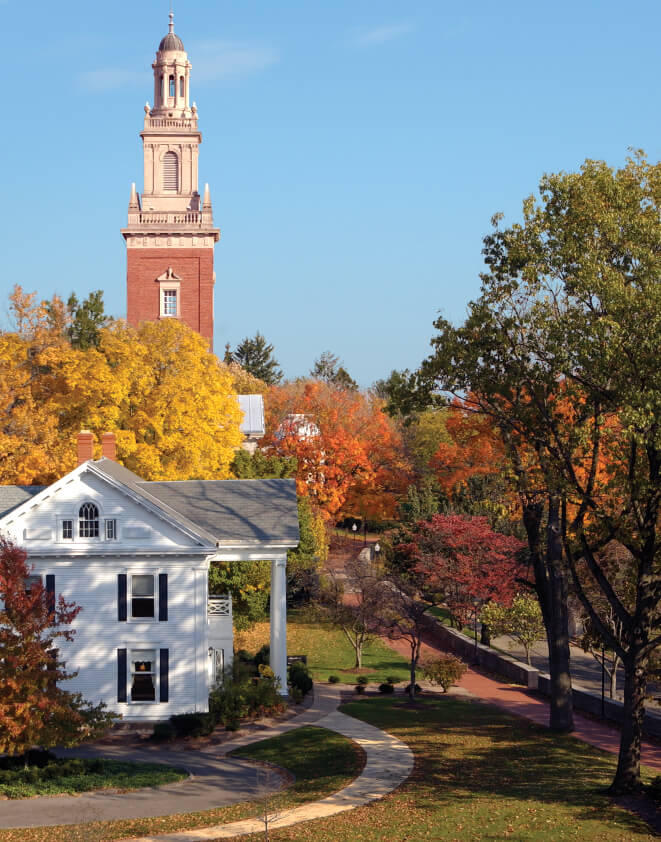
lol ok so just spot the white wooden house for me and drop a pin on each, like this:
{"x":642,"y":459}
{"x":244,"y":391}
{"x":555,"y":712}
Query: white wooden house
{"x":150,"y":640}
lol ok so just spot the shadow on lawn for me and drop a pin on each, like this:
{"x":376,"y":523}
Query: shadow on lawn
{"x":465,"y":750}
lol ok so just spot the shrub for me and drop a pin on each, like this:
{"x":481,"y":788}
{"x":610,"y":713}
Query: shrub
{"x":163,"y":732}
{"x":392,"y":679}
{"x":192,"y":724}
{"x":386,"y":687}
{"x":263,"y":656}
{"x":333,"y":679}
{"x":418,"y":689}
{"x":300,"y":677}
{"x":655,"y":789}
{"x":360,"y":688}
{"x":445,"y":670}
{"x":363,"y":679}
{"x":296,"y":695}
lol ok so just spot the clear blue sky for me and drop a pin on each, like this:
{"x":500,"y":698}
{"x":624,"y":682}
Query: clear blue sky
{"x":356,"y":151}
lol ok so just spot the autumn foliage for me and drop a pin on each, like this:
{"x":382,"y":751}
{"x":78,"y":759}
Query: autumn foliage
{"x":34,"y":709}
{"x":349,"y":452}
{"x":463,"y":560}
{"x":167,"y":398}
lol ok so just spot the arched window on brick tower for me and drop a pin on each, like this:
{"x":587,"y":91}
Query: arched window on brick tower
{"x":170,"y":171}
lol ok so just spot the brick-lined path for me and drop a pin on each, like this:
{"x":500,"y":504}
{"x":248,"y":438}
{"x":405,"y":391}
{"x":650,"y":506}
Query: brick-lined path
{"x":524,"y":703}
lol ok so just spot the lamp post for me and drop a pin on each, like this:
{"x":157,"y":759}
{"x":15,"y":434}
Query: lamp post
{"x":354,"y":529}
{"x":377,"y":550}
{"x":476,"y":605}
{"x":365,"y":533}
{"x":603,"y":680}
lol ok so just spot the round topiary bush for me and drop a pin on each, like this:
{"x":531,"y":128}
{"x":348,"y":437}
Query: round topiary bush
{"x":363,"y":680}
{"x":386,"y":687}
{"x":360,"y":688}
{"x":333,"y":679}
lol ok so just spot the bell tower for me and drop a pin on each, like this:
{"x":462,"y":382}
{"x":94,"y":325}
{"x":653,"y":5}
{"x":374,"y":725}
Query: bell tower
{"x":170,"y":235}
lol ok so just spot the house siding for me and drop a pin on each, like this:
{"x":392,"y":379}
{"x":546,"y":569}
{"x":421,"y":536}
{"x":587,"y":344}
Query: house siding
{"x":86,"y":573}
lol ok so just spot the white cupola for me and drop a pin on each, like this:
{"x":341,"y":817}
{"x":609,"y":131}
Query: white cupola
{"x":171,"y":77}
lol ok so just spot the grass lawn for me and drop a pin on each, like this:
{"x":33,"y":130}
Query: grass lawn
{"x":321,"y":761}
{"x":328,"y":650}
{"x":481,"y":774}
{"x":84,"y":776}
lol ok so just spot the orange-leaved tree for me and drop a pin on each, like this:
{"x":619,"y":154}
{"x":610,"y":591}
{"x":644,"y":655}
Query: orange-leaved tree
{"x":349,"y":453}
{"x":34,"y":709}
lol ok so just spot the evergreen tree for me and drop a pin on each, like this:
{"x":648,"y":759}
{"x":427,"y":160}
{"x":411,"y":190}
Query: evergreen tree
{"x":329,"y":368}
{"x":87,"y":319}
{"x":256,"y":356}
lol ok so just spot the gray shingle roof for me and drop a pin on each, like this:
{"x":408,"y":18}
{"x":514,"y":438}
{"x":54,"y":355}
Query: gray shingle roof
{"x":12,"y":496}
{"x":247,"y":511}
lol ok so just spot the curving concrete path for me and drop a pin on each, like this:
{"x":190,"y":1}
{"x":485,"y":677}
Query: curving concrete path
{"x":219,"y":781}
{"x":389,"y":763}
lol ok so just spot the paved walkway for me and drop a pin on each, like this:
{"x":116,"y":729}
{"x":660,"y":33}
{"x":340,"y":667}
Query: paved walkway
{"x":219,"y":781}
{"x":524,"y":703}
{"x":389,"y":763}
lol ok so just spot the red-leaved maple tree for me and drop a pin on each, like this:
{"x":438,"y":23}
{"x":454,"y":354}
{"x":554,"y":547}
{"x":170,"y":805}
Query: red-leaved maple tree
{"x":34,"y":709}
{"x":463,"y":560}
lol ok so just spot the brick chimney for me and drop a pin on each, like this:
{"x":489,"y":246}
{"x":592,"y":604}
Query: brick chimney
{"x":85,"y":446}
{"x":109,"y":446}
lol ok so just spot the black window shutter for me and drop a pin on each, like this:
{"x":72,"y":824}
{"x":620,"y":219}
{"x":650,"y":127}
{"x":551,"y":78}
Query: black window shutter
{"x":164,"y":684}
{"x":162,"y":596}
{"x":121,"y":597}
{"x":121,"y":675}
{"x":50,"y":592}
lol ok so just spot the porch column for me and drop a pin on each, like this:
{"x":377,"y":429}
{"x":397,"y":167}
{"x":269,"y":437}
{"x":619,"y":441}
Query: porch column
{"x":279,"y":621}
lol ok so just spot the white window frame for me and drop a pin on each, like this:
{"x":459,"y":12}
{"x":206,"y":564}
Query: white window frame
{"x":60,"y":530}
{"x":129,"y":596}
{"x":106,"y":522}
{"x":169,"y":286}
{"x":144,"y":647}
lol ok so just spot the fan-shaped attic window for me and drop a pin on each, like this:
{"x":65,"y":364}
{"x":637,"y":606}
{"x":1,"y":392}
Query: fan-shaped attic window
{"x":88,"y":521}
{"x":170,"y":171}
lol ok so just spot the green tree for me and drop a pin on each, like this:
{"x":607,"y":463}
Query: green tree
{"x":87,"y":318}
{"x":421,"y":503}
{"x":521,"y":620}
{"x":561,"y":350}
{"x":255,"y":354}
{"x":330,"y":369}
{"x":249,"y":585}
{"x":260,"y":465}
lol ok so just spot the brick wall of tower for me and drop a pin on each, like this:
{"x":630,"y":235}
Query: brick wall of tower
{"x":195,"y":268}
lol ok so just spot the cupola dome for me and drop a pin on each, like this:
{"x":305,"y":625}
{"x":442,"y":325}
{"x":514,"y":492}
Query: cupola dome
{"x":171,"y":41}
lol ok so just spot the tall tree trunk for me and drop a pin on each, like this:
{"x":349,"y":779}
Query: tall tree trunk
{"x":627,"y":777}
{"x":613,"y":678}
{"x":551,"y":586}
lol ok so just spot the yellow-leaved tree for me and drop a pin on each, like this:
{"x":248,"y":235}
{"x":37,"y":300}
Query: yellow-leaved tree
{"x":168,"y":399}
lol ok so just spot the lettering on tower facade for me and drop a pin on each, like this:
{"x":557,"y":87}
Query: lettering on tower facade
{"x":170,"y":236}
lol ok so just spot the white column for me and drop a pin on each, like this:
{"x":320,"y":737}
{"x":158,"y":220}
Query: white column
{"x":279,"y":621}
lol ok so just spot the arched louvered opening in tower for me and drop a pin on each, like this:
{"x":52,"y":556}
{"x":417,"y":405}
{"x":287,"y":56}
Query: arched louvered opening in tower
{"x":172,"y":86}
{"x":170,"y":171}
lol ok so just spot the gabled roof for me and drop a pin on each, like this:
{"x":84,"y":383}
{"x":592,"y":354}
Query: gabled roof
{"x":215,"y":512}
{"x":246,"y":511}
{"x":12,"y":496}
{"x":227,"y":512}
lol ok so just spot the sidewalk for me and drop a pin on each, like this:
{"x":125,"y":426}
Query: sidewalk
{"x":519,"y":701}
{"x":219,"y":781}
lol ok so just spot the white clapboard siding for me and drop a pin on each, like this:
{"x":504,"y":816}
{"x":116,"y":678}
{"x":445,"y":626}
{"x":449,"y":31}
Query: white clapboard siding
{"x":89,"y":579}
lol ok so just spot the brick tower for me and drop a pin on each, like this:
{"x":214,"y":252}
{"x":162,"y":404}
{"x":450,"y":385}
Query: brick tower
{"x":170,"y":235}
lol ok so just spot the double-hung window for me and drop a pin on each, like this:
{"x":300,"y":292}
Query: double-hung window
{"x":169,"y":302}
{"x":111,"y":530}
{"x":143,"y":675}
{"x":142,"y":595}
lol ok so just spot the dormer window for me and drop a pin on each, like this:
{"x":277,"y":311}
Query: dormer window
{"x":88,"y":521}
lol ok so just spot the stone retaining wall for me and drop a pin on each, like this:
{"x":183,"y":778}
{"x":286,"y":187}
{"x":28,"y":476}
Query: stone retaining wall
{"x":493,"y":661}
